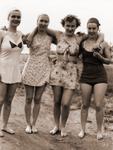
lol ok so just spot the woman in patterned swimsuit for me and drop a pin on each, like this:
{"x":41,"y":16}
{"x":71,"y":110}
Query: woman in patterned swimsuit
{"x":36,"y":71}
{"x":63,"y":76}
{"x":93,"y":78}
{"x":10,"y":74}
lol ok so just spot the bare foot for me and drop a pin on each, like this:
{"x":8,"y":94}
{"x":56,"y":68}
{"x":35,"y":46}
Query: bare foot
{"x":34,"y":129}
{"x":28,"y":129}
{"x":99,"y":136}
{"x":8,"y":130}
{"x":54,"y":131}
{"x":63,"y":132}
{"x":1,"y":134}
{"x":81,"y":134}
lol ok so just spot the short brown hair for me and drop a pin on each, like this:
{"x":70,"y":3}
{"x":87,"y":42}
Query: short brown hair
{"x":70,"y":18}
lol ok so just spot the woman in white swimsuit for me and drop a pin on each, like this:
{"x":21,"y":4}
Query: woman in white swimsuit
{"x":10,"y":49}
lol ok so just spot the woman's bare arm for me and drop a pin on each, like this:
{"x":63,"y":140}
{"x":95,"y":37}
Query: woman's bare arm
{"x":54,"y":34}
{"x":1,"y":37}
{"x":106,"y":57}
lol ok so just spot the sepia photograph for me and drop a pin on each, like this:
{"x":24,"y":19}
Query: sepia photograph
{"x":56,"y":75}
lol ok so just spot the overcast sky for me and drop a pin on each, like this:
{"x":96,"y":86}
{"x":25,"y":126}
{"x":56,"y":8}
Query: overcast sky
{"x":57,"y":9}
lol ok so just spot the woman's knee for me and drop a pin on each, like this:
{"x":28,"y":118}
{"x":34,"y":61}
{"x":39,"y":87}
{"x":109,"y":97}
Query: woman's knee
{"x":29,"y":100}
{"x":99,"y":108}
{"x":37,"y":100}
{"x":8,"y":103}
{"x":1,"y":101}
{"x":65,"y":106}
{"x":85,"y":106}
{"x":8,"y":100}
{"x":57,"y":102}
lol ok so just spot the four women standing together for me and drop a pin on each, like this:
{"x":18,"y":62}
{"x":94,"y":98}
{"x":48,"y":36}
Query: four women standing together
{"x":63,"y":77}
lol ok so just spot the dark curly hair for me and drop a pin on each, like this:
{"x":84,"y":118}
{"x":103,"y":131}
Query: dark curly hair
{"x":70,"y":18}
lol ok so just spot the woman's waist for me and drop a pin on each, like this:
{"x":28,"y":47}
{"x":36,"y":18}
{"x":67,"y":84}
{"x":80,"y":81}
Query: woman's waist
{"x":92,"y":63}
{"x":93,"y":68}
{"x":38,"y":57}
{"x":67,"y":58}
{"x":9,"y":60}
{"x":37,"y":54}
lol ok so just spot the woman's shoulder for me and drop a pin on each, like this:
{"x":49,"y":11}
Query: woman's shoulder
{"x":59,"y":34}
{"x":20,"y":33}
{"x":80,"y":36}
{"x":104,"y":44}
{"x":2,"y":33}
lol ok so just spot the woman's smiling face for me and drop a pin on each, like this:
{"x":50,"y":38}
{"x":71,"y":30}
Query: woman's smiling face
{"x":14,"y":18}
{"x":92,"y":29}
{"x":43,"y":22}
{"x":70,"y":27}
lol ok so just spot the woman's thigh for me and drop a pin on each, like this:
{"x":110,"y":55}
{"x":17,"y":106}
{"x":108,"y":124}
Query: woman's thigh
{"x":38,"y":93}
{"x":87,"y":90}
{"x":99,"y":93}
{"x":3,"y":90}
{"x":10,"y":92}
{"x":57,"y":92}
{"x":29,"y":91}
{"x":67,"y":96}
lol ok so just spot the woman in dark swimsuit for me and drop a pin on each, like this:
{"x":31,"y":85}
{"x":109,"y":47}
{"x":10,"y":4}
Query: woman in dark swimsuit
{"x":93,"y":78}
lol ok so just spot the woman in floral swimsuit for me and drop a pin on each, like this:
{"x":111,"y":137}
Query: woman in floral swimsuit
{"x":36,"y":71}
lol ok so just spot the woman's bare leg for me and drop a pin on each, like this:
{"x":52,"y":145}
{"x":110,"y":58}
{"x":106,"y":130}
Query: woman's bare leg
{"x":29,"y":96}
{"x":57,"y":91}
{"x":66,"y":100}
{"x":11,"y":89}
{"x":3,"y":89}
{"x":86,"y":98}
{"x":37,"y":99}
{"x":99,"y":93}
